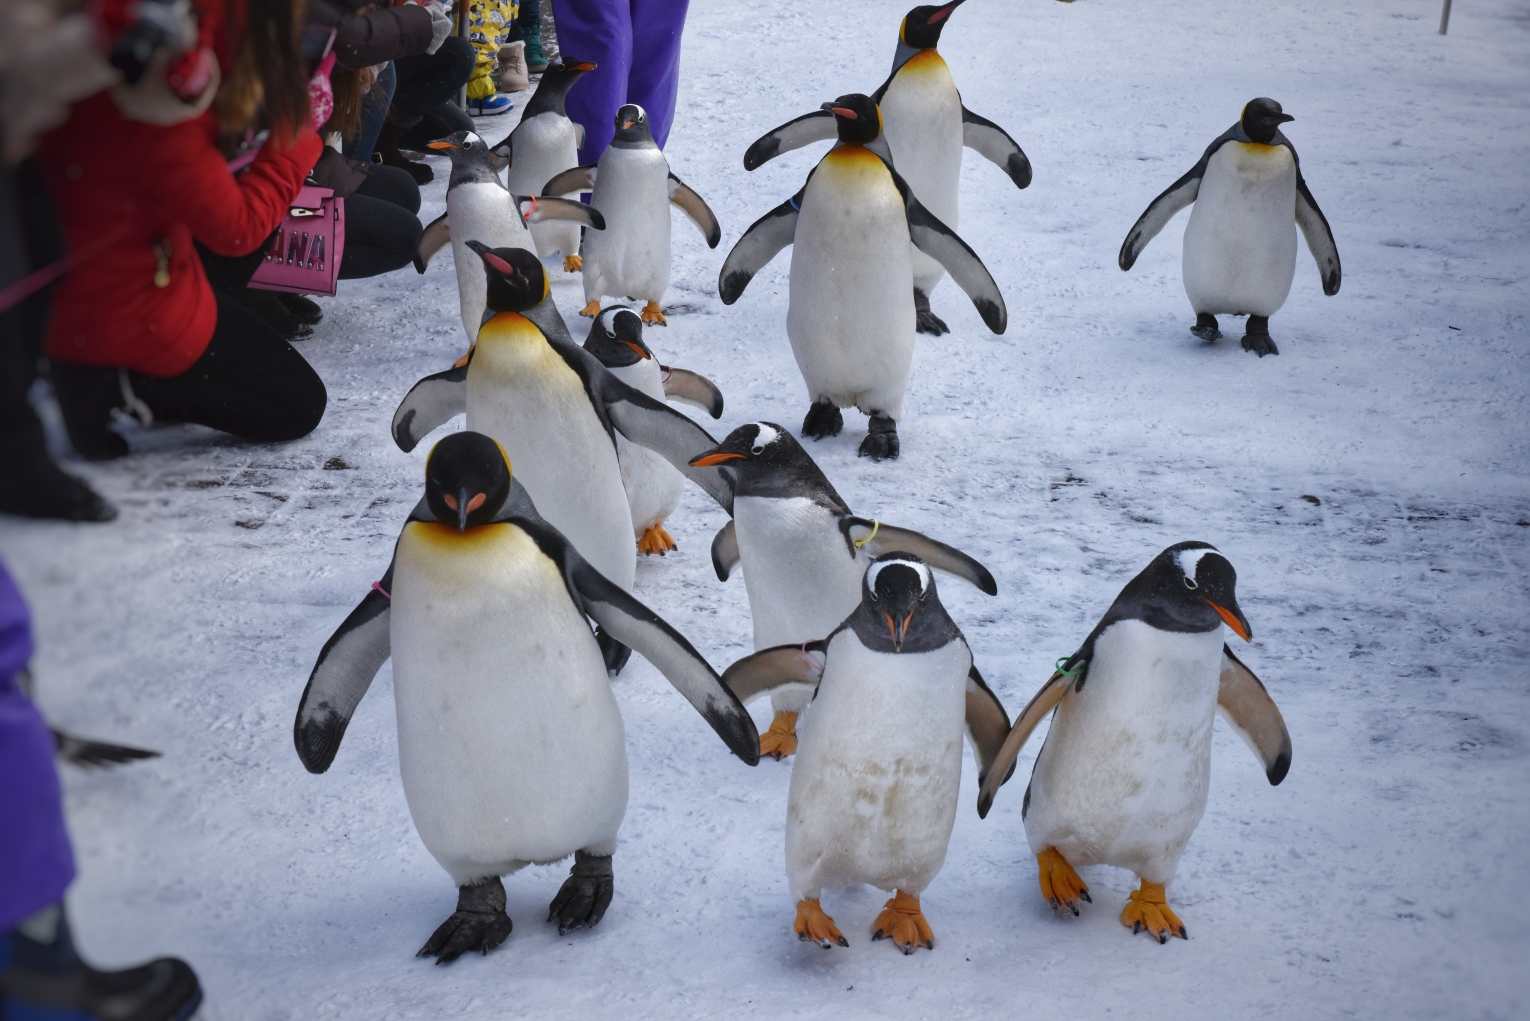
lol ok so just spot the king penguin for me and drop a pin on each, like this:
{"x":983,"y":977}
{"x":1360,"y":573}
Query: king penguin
{"x":1240,"y":244}
{"x":479,"y":207}
{"x":873,"y":794}
{"x":633,"y":187}
{"x":926,"y":126}
{"x":850,"y":315}
{"x":511,"y":747}
{"x":804,"y":553}
{"x":544,"y":144}
{"x":653,"y":485}
{"x":557,"y":411}
{"x":1122,"y":777}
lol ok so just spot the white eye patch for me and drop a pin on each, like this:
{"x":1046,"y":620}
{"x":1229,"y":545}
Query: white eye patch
{"x":765,"y":436}
{"x":608,"y":318}
{"x":1189,"y":560}
{"x":877,"y":568}
{"x":471,"y":137}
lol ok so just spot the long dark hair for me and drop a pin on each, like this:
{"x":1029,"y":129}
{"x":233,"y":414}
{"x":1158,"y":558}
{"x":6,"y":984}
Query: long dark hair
{"x":268,"y":71}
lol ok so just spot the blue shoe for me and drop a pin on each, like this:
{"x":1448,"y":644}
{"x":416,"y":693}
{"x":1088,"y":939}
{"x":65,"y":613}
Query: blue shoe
{"x":495,"y":104}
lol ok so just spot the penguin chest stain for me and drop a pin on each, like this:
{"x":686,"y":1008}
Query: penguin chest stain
{"x":1123,"y":777}
{"x":1240,"y":242}
{"x":511,"y":746}
{"x":875,"y":782}
{"x":798,"y":570}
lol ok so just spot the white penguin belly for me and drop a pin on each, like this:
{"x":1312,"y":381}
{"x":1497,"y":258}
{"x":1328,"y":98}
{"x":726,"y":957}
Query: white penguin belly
{"x":653,"y":485}
{"x":922,"y":119}
{"x":631,"y":256}
{"x":798,"y":571}
{"x":850,"y":317}
{"x":526,"y":397}
{"x":1240,"y":243}
{"x":511,"y":746}
{"x":480,"y":212}
{"x":542,"y":148}
{"x":874,"y":786}
{"x":1123,"y":776}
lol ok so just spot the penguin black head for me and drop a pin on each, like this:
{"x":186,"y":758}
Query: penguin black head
{"x":1194,"y":586}
{"x":758,"y":444}
{"x":897,"y":587}
{"x":766,"y":460}
{"x":472,"y":159}
{"x":517,"y":279}
{"x":632,"y":131}
{"x":1262,"y":118}
{"x":856,"y":117}
{"x":467,"y":480}
{"x":552,"y":90}
{"x":616,"y":338}
{"x":921,"y":26}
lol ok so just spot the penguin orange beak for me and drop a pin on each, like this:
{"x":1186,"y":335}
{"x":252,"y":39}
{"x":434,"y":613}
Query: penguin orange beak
{"x":944,"y":12}
{"x":442,"y":145}
{"x":627,"y":124}
{"x":716,"y":457}
{"x":1232,"y":620}
{"x":463,"y":506}
{"x":637,"y":350}
{"x":840,"y":111}
{"x":583,"y":65}
{"x":490,"y":259}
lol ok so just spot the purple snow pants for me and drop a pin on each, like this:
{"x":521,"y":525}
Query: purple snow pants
{"x":35,"y":861}
{"x":635,"y":45}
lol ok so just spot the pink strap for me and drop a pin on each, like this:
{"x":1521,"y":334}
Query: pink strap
{"x":378,"y":586}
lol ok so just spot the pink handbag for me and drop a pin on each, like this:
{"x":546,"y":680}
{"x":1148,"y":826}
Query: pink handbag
{"x":304,"y":254}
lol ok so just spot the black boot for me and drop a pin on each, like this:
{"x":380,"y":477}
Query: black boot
{"x":32,"y":486}
{"x":86,"y":397}
{"x":389,"y":155}
{"x":479,"y":923}
{"x":46,"y":975}
{"x":272,"y":310}
{"x":925,"y":320}
{"x":1206,"y":327}
{"x":823,"y":419}
{"x":305,"y":310}
{"x":881,"y":442}
{"x":1256,"y":337}
{"x":585,"y":894}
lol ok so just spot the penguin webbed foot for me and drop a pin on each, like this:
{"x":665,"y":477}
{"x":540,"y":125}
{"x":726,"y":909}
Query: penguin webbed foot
{"x":573,"y":263}
{"x":479,"y":923}
{"x":613,"y":652}
{"x":652,"y":315}
{"x":823,"y":419}
{"x":656,"y":540}
{"x":1256,"y":337}
{"x":813,"y":925}
{"x":781,"y":739}
{"x":926,"y":321}
{"x":592,"y":309}
{"x":1148,"y":908}
{"x":881,"y":442}
{"x":586,"y":893}
{"x":902,"y":922}
{"x":1060,"y":883}
{"x":1206,"y":328}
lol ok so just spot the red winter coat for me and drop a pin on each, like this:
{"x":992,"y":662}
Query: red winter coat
{"x":136,"y":184}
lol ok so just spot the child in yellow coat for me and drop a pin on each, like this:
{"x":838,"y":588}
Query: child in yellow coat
{"x":490,"y":23}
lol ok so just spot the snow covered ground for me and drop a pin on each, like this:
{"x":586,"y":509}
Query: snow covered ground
{"x":1369,"y":484}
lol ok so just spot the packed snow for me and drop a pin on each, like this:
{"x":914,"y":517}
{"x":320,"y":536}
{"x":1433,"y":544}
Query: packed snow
{"x":1369,"y":484}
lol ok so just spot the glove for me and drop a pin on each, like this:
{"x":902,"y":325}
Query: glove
{"x":440,"y":26}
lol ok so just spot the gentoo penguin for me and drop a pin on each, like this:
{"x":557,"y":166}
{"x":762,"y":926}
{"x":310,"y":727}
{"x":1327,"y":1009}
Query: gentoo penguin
{"x":653,"y":485}
{"x":873,"y":793}
{"x":803,"y":552}
{"x":1122,"y":777}
{"x":479,"y":207}
{"x":851,"y":310}
{"x":926,"y":127}
{"x":510,"y":744}
{"x":546,"y":143}
{"x":632,"y":186}
{"x":557,"y":411}
{"x":1240,"y":243}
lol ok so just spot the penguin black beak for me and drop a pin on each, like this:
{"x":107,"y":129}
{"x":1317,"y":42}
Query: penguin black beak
{"x":1236,"y":621}
{"x":1283,"y":118}
{"x":944,"y":12}
{"x":840,"y":111}
{"x":462,"y":510}
{"x":898,"y":629}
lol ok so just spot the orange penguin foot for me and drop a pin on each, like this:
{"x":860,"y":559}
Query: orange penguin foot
{"x":813,"y":925}
{"x":1060,"y":885}
{"x":781,"y":739}
{"x":1148,"y":908}
{"x":902,"y":922}
{"x":652,"y":316}
{"x":592,"y":309}
{"x":573,"y":263}
{"x":655,"y":540}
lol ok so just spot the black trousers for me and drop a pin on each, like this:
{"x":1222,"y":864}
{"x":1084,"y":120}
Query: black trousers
{"x":428,"y":80}
{"x":381,"y":230}
{"x":30,"y":238}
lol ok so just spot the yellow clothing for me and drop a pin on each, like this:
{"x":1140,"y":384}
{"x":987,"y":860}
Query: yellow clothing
{"x":489,"y":24}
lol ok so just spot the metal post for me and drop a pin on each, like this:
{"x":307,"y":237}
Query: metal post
{"x":462,"y":29}
{"x":1445,"y":17}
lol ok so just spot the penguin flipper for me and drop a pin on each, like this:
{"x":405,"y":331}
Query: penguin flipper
{"x":669,"y":434}
{"x":1003,"y":764}
{"x":993,"y":143}
{"x":342,"y":675}
{"x":535,"y":209}
{"x":725,"y":551}
{"x":779,"y":669}
{"x":987,"y":723}
{"x":877,"y":539}
{"x":432,"y":402}
{"x":695,"y":207}
{"x":1246,"y":704}
{"x":1158,"y":213}
{"x":633,"y":624}
{"x":760,"y":243}
{"x":941,"y":243}
{"x":681,"y":385}
{"x":88,"y":754}
{"x":1319,"y":237}
{"x":572,"y":181}
{"x":817,"y":126}
{"x":436,"y":236}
